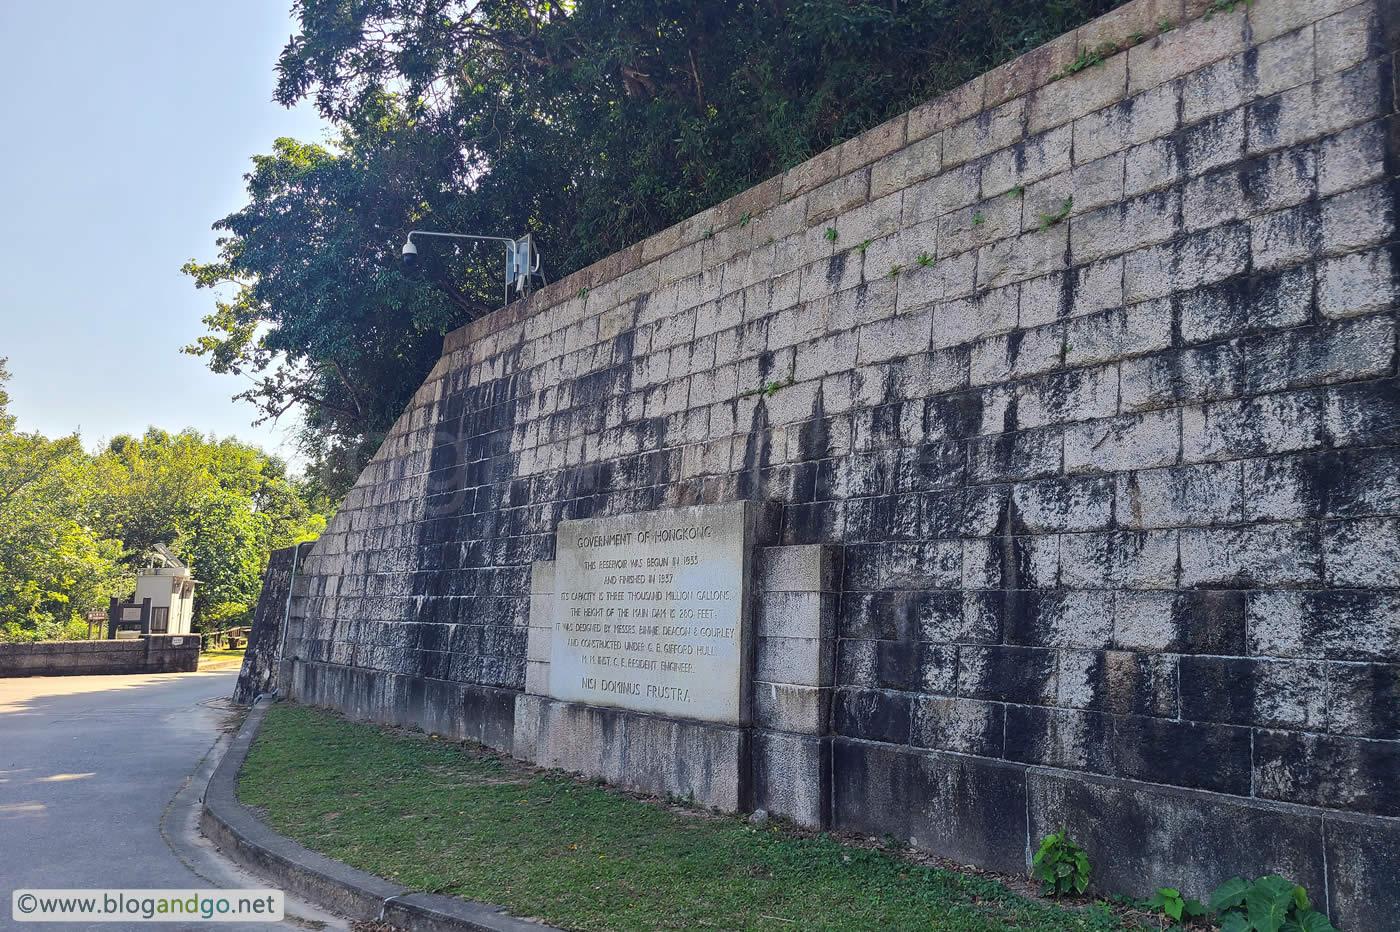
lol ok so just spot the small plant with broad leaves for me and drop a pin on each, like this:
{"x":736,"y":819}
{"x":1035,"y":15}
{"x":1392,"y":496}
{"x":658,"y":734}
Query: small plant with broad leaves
{"x":830,"y":234}
{"x":1174,"y":906}
{"x":1269,"y":904}
{"x":925,"y":260}
{"x":1061,"y":866}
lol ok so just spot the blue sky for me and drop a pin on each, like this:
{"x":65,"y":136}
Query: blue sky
{"x":127,"y":128}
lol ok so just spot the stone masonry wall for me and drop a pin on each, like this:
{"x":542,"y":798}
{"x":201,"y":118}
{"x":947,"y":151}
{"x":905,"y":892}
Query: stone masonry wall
{"x":1094,"y":389}
{"x":152,"y":653}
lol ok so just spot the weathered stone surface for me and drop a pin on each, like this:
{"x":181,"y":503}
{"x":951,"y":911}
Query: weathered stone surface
{"x":693,"y":760}
{"x":972,"y":810}
{"x":157,"y":653}
{"x":1082,"y":442}
{"x":789,"y":777}
{"x":1157,"y":831}
{"x":651,"y":612}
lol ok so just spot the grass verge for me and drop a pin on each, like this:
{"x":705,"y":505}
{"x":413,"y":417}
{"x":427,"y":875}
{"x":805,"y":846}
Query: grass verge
{"x":437,"y":816}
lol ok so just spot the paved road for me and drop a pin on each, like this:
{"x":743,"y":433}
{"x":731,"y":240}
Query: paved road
{"x":89,"y":766}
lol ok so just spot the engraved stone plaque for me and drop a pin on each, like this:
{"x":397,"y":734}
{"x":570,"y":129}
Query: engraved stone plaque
{"x":651,"y":612}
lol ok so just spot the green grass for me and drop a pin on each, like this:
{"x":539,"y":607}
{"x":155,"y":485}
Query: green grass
{"x":435,"y":816}
{"x":222,"y":653}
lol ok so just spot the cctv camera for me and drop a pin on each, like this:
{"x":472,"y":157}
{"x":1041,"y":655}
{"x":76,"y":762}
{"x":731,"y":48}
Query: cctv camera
{"x":410,"y":252}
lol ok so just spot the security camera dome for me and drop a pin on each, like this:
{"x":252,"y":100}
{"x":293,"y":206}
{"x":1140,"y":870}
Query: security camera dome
{"x":410,"y":252}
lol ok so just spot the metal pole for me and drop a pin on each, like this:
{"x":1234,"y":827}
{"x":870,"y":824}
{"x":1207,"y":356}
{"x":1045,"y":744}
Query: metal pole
{"x":510,"y":250}
{"x":287,"y":614}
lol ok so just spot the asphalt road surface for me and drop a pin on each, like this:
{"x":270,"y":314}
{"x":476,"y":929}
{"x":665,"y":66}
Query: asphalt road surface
{"x":99,"y":784}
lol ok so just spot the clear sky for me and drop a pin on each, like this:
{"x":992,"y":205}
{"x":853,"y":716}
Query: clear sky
{"x":127,"y":128}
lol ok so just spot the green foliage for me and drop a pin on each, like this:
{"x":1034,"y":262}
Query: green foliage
{"x":771,"y":388}
{"x":830,"y":234}
{"x":925,"y":260}
{"x":978,"y":219}
{"x":436,"y":815}
{"x":864,"y":246}
{"x":1049,"y":220}
{"x":590,"y":125}
{"x":74,"y":527}
{"x":220,"y":505}
{"x":1269,"y":904}
{"x":1016,"y":191}
{"x":55,"y":561}
{"x":1174,"y":906}
{"x":1224,"y":6}
{"x":1088,"y":58}
{"x":226,"y":615}
{"x":895,"y":270}
{"x":1061,"y":866}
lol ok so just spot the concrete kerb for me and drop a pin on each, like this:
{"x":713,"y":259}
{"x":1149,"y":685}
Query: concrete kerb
{"x":338,"y":887}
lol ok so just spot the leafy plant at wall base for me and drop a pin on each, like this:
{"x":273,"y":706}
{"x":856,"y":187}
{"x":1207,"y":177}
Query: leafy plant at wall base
{"x":1061,"y":866}
{"x":1269,"y":904}
{"x":830,"y":234}
{"x":1170,"y":902}
{"x":925,"y":260}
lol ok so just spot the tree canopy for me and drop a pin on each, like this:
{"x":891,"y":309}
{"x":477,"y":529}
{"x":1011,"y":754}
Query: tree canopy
{"x":74,"y":527}
{"x":53,"y":562}
{"x":588,"y":124}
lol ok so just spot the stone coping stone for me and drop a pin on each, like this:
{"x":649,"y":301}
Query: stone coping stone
{"x":338,"y":887}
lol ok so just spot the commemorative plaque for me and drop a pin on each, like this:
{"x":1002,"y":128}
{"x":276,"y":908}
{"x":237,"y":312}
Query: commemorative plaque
{"x":651,"y":612}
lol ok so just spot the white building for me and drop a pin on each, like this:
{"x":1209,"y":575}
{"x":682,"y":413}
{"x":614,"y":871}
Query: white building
{"x":170,"y":587}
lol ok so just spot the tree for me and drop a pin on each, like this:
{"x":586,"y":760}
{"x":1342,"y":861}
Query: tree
{"x":74,"y":528}
{"x":315,"y":307}
{"x":53,"y":564}
{"x":589,"y":124}
{"x":221,"y":505}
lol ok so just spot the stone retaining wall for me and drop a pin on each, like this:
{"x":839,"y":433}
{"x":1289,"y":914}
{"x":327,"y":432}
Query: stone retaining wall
{"x":155,"y":653}
{"x":1088,"y":383}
